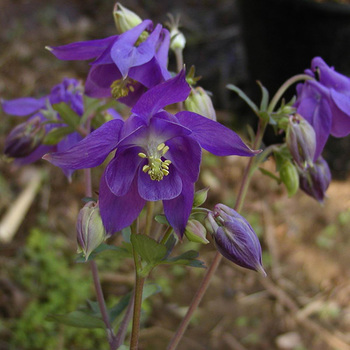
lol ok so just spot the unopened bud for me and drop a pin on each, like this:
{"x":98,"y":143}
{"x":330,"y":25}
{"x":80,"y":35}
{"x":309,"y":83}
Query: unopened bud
{"x":290,"y":177}
{"x":234,"y":238}
{"x":124,"y":18}
{"x":177,"y":39}
{"x":200,"y":197}
{"x":315,"y":180}
{"x":301,"y":141}
{"x":200,"y":102}
{"x":90,"y":230}
{"x":24,"y":138}
{"x":196,"y":232}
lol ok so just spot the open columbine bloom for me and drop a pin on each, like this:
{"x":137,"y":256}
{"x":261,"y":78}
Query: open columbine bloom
{"x":124,"y":64}
{"x":157,"y":156}
{"x":325,"y":102}
{"x":23,"y":142}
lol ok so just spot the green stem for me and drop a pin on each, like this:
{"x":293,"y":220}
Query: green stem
{"x":149,"y":217}
{"x":214,"y":265}
{"x":284,"y":87}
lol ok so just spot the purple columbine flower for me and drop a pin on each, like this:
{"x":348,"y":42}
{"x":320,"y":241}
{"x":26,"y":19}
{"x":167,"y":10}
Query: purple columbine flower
{"x":124,"y":64}
{"x":157,"y":156}
{"x":325,"y":102}
{"x":315,"y":180}
{"x":70,"y":92}
{"x":234,"y":238}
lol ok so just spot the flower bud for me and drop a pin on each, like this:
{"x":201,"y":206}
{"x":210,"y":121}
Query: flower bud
{"x":90,"y":230}
{"x":315,"y":180}
{"x":125,"y":19}
{"x":200,"y":197}
{"x":301,"y":140}
{"x":24,"y":138}
{"x":196,"y":232}
{"x":200,"y":102}
{"x":234,"y":238}
{"x":290,"y":177}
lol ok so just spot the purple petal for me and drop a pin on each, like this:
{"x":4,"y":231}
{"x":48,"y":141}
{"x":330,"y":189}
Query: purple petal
{"x":121,"y":170}
{"x":35,"y":155}
{"x":341,"y":114}
{"x":99,"y":80}
{"x":178,"y":210}
{"x":185,"y":154}
{"x":125,"y":54}
{"x":119,"y":212}
{"x":23,"y":106}
{"x":163,"y":52}
{"x":82,"y":50}
{"x":213,"y":136}
{"x":69,"y":141}
{"x":92,"y":150}
{"x":167,"y":188}
{"x":171,"y":91}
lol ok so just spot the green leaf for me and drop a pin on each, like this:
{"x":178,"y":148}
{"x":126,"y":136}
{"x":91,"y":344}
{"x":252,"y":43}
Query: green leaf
{"x":54,"y":136}
{"x":90,"y":106}
{"x":148,"y":249}
{"x":126,"y":233}
{"x":188,"y":258}
{"x":161,"y":219}
{"x":264,"y":97}
{"x":78,"y":319}
{"x":243,"y":96}
{"x":122,"y":252}
{"x":67,"y":114}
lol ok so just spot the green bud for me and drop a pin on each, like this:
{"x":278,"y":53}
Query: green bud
{"x":177,"y":39}
{"x":196,"y":232}
{"x":125,"y":19}
{"x":200,"y":197}
{"x":200,"y":102}
{"x":290,"y":177}
{"x":91,"y":232}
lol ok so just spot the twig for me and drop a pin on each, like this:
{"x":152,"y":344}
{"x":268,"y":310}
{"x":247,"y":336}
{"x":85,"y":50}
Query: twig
{"x":16,"y":213}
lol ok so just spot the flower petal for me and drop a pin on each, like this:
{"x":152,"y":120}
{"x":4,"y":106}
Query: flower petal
{"x":125,"y":54}
{"x":185,"y":154}
{"x":178,"y":210}
{"x":99,"y":80}
{"x":23,"y":106}
{"x":121,"y":170}
{"x":167,"y":188}
{"x":82,"y":50}
{"x":171,"y":91}
{"x":92,"y":150}
{"x":213,"y":136}
{"x":341,"y":114}
{"x":119,"y":212}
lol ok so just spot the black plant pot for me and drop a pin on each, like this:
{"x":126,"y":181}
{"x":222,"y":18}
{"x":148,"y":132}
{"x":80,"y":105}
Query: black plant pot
{"x":282,"y":36}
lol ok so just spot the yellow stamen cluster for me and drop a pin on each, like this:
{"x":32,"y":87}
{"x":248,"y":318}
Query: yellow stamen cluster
{"x":156,"y":167}
{"x":143,"y":37}
{"x":122,"y":87}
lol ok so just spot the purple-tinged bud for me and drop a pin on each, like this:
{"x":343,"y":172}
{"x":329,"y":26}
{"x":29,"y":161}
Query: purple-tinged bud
{"x":234,"y":238}
{"x":290,"y":177}
{"x":301,"y":141}
{"x":200,"y":102}
{"x":196,"y":232}
{"x":90,"y":230}
{"x":124,"y":18}
{"x":24,"y":138}
{"x":315,"y":180}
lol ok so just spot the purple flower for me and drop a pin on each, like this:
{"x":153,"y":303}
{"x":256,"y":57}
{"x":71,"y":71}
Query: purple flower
{"x":234,"y":238}
{"x":157,"y":156}
{"x":124,"y":64}
{"x":69,"y":92}
{"x":325,"y":102}
{"x":315,"y":180}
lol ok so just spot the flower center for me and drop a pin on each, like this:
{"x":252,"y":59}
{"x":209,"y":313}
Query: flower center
{"x":122,"y":87}
{"x":143,"y":37}
{"x":156,"y":167}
